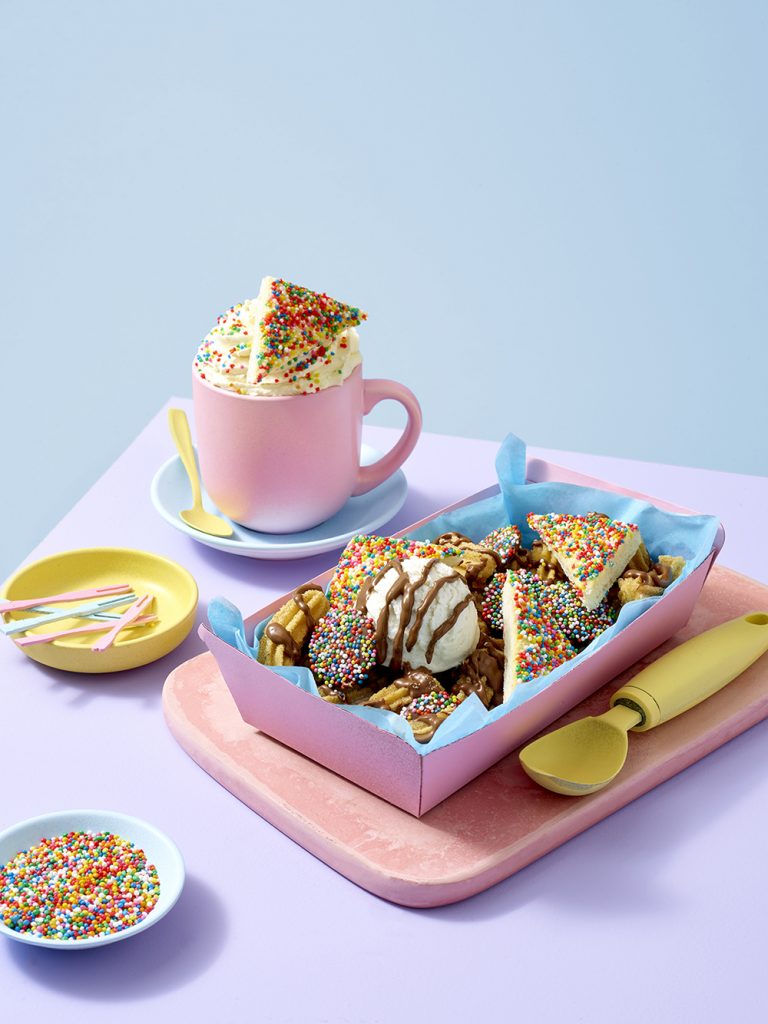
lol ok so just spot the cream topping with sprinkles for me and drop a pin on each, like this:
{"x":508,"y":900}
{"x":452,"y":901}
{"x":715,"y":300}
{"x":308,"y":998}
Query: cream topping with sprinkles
{"x":288,"y":340}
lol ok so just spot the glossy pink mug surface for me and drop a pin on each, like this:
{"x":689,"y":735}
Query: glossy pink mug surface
{"x":286,"y":463}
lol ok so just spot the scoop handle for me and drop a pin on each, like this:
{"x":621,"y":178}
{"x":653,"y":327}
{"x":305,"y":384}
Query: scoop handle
{"x":695,"y":670}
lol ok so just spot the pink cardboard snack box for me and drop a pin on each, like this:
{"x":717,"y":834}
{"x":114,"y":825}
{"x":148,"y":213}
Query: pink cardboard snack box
{"x":416,"y":780}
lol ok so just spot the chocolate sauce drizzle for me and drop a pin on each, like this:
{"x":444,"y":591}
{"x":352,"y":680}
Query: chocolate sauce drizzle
{"x":405,"y":638}
{"x":428,"y":724}
{"x":482,"y":669}
{"x":279,"y":634}
{"x":473,"y":568}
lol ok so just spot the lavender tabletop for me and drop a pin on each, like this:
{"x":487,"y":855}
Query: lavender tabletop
{"x":266,"y":932}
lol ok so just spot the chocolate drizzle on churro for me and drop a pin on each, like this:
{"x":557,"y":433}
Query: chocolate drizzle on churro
{"x":427,"y":727}
{"x":279,"y":635}
{"x":301,"y":604}
{"x":419,"y":682}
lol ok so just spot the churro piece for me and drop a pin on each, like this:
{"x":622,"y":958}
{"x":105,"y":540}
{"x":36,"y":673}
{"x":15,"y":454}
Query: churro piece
{"x":283,"y":640}
{"x":359,"y":694}
{"x":477,"y":562}
{"x":399,"y":694}
{"x":483,"y":671}
{"x":636,"y":583}
{"x":641,"y":559}
{"x":633,"y":589}
{"x":543,"y":563}
{"x":673,"y":563}
{"x":392,"y":698}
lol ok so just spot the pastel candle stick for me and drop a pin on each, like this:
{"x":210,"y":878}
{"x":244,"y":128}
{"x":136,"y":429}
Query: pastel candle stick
{"x":94,"y":627}
{"x":79,"y":612}
{"x":72,"y":595}
{"x":129,"y":616}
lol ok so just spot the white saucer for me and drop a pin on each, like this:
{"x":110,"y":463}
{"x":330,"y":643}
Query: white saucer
{"x":171,"y":493}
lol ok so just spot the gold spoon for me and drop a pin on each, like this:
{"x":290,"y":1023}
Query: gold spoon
{"x":196,"y":517}
{"x":586,"y":755}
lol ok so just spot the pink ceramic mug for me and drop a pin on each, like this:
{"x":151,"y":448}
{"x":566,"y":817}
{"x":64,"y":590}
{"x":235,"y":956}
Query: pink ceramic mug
{"x":285,"y":463}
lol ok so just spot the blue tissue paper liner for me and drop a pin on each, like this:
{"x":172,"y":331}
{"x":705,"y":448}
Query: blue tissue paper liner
{"x":664,"y":533}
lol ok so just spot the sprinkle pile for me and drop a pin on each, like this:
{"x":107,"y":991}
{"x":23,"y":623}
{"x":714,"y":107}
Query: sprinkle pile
{"x":504,"y":540}
{"x":342,"y":649}
{"x":298,"y":332}
{"x":540,"y":644}
{"x":365,"y":554}
{"x":589,"y":542}
{"x":77,"y":886}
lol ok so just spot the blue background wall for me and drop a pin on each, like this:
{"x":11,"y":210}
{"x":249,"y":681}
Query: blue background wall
{"x":554,"y":214}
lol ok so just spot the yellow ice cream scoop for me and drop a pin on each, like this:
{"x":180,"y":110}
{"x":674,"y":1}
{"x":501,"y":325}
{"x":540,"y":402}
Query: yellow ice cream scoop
{"x":586,"y":755}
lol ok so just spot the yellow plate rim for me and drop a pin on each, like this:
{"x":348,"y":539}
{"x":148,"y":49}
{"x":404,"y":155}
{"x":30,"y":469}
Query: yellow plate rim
{"x":127,"y":642}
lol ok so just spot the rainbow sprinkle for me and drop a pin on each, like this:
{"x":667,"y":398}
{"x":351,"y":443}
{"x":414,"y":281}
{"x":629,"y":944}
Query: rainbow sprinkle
{"x":77,"y":886}
{"x":540,"y":644}
{"x":563,"y":605}
{"x":365,"y":554}
{"x":342,"y":649}
{"x":212,"y":356}
{"x":589,"y":542}
{"x":431,"y":704}
{"x":491,"y":606}
{"x":504,"y":540}
{"x":299,"y":332}
{"x":580,"y":625}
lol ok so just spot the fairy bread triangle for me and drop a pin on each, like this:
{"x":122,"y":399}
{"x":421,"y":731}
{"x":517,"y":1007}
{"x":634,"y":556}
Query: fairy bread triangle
{"x":593,"y":549}
{"x":534,"y":642}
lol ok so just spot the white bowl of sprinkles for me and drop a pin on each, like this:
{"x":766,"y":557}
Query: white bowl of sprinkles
{"x":84,"y":878}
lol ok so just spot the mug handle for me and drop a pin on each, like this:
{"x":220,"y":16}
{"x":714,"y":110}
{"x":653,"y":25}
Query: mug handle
{"x":375,"y":391}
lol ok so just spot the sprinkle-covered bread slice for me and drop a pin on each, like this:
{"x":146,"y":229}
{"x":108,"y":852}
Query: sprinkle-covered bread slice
{"x":298,"y":330}
{"x":581,"y":625}
{"x":534,"y":641}
{"x":593,"y":549}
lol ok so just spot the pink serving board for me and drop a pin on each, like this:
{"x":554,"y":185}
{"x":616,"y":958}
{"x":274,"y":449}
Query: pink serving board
{"x":499,"y":822}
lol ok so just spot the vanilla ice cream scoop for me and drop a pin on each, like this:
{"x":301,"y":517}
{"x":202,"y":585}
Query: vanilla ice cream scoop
{"x":287,"y":341}
{"x":424,"y":615}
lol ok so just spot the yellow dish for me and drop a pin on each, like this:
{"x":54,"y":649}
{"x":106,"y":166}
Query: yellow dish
{"x":175,"y":605}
